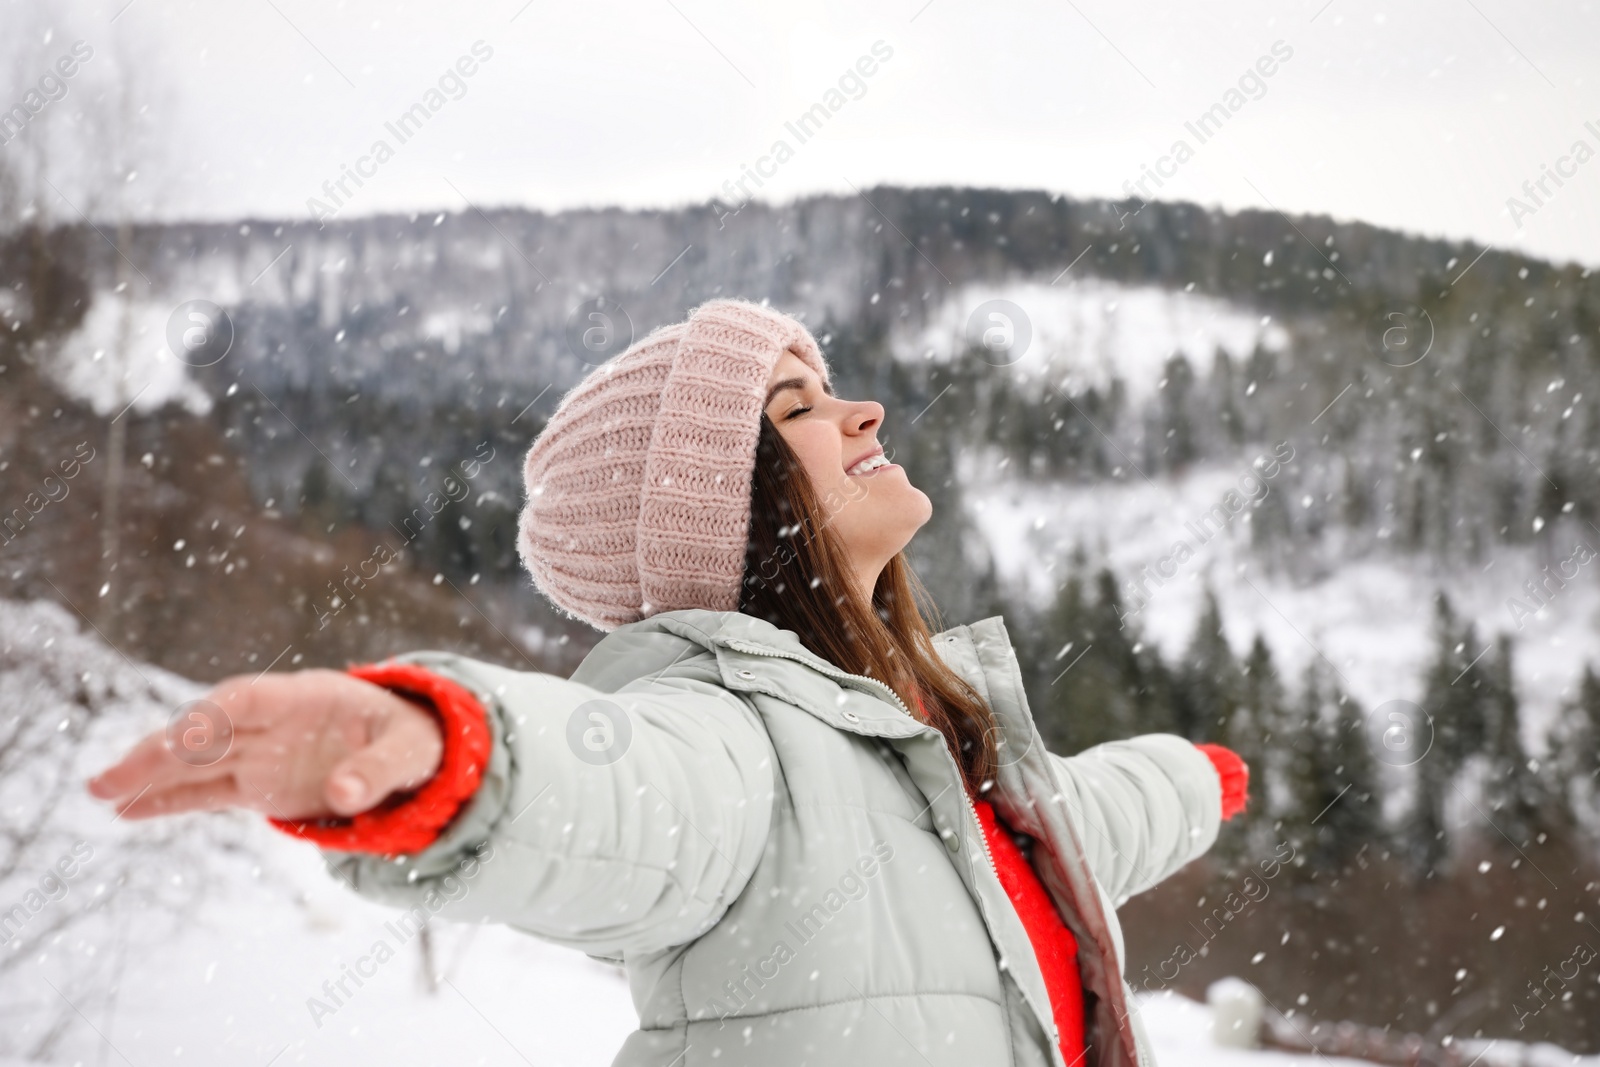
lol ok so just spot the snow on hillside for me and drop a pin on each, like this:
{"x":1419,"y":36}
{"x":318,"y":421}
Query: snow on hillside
{"x":1371,"y":618}
{"x":148,"y":377}
{"x":1085,"y":332}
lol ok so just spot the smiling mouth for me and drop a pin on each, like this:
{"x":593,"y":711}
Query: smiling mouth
{"x":875,"y":462}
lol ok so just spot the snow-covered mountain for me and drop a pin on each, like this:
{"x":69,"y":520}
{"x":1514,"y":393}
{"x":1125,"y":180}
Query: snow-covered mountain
{"x":1371,"y":617}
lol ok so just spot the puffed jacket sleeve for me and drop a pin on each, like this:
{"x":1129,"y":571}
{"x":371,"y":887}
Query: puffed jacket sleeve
{"x":1144,"y":807}
{"x":611,"y":822}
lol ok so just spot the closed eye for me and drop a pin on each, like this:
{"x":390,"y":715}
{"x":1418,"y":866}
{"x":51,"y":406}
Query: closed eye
{"x":796,"y":411}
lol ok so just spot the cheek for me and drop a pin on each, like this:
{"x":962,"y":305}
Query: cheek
{"x":821,"y":459}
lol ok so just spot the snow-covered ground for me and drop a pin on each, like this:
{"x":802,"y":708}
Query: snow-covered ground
{"x":238,"y":985}
{"x":1371,"y":618}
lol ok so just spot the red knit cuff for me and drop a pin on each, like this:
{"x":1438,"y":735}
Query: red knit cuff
{"x":1235,"y":775}
{"x":409,"y":822}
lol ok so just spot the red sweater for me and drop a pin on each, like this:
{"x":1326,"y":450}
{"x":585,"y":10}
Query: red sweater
{"x":408,"y":822}
{"x":1053,"y":943}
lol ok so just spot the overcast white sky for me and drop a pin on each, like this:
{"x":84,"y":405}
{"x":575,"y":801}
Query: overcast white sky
{"x":1422,"y":116}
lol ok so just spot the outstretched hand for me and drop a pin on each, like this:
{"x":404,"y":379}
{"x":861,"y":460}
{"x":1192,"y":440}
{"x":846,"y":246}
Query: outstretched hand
{"x":301,"y":745}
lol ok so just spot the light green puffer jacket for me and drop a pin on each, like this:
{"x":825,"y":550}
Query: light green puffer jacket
{"x":786,"y":862}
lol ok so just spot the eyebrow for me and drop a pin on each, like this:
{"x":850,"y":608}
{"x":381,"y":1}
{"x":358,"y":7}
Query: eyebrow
{"x":791,"y":383}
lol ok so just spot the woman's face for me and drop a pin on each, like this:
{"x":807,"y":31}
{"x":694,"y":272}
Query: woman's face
{"x":875,"y":512}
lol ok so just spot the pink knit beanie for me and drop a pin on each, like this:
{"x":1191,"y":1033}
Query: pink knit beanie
{"x":639,"y":487}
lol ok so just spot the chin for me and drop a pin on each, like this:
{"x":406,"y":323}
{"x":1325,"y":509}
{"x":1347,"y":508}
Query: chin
{"x":890,"y":524}
{"x":924,"y":510}
{"x":916,"y":512}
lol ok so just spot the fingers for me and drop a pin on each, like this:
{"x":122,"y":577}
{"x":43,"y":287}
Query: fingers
{"x":242,"y":707}
{"x":133,"y":771}
{"x":197,"y":796}
{"x":405,"y":754}
{"x":150,"y":764}
{"x":295,"y":745}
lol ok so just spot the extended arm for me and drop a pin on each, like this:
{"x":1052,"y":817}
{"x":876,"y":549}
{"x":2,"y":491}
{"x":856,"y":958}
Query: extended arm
{"x":1147,"y":806}
{"x":499,"y":812}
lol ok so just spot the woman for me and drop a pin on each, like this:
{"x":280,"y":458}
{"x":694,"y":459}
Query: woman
{"x":811,"y":830}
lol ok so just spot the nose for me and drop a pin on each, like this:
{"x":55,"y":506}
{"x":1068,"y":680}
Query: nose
{"x":863,"y":415}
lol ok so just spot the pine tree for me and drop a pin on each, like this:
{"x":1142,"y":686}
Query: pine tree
{"x":1156,"y":701}
{"x":1456,"y":699}
{"x":322,"y":501}
{"x":1080,"y":705}
{"x":1587,"y":756}
{"x":1253,"y":730}
{"x":1208,"y":678}
{"x":1575,"y":745}
{"x":1547,"y":504}
{"x":1098,"y":680}
{"x":1331,"y":776}
{"x":1514,"y":793}
{"x":1260,"y":375}
{"x":1355,"y":498}
{"x":1179,"y":441}
{"x":1223,"y":385}
{"x":1130,"y":662}
{"x":1299,"y":753}
{"x":1357,"y":819}
{"x":1425,"y":829}
{"x":1271,"y":527}
{"x":1424,"y":834}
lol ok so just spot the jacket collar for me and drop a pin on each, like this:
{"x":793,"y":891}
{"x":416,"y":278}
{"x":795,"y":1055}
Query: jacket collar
{"x":712,"y":629}
{"x":755,"y":655}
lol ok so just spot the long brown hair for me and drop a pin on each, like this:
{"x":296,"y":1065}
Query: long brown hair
{"x":797,"y":577}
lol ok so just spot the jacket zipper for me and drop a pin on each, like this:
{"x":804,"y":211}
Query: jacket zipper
{"x":1048,"y":1018}
{"x":982,"y":840}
